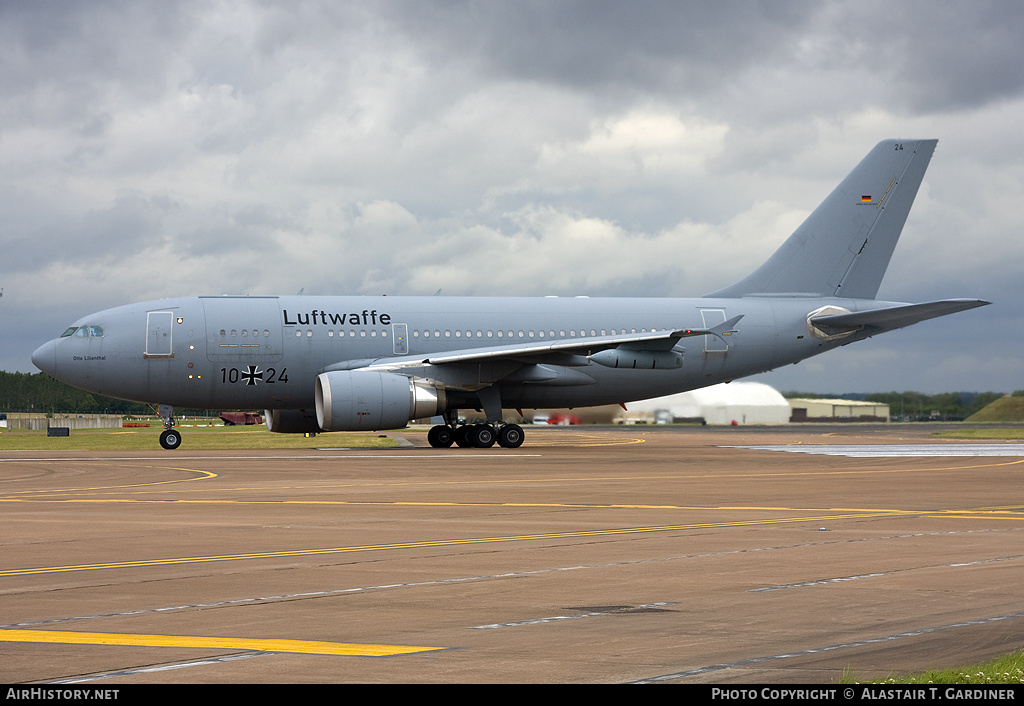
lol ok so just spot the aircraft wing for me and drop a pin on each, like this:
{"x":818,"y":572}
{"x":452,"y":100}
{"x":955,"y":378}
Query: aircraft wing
{"x":493,"y":362}
{"x":651,"y":340}
{"x":893,"y":317}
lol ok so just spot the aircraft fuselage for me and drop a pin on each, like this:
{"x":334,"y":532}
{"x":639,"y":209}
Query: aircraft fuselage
{"x":265,"y":352}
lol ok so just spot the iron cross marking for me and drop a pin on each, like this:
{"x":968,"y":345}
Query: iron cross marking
{"x":252,"y":374}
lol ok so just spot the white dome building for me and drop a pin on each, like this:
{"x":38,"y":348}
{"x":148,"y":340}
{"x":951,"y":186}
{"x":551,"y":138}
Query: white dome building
{"x":740,"y":402}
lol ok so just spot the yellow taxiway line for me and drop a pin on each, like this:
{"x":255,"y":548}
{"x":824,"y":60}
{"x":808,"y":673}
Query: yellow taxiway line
{"x":169,"y":561}
{"x":311,"y":647}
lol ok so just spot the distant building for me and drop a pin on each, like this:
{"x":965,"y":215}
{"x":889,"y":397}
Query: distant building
{"x":232,"y":418}
{"x":727,"y":403}
{"x":814,"y":410}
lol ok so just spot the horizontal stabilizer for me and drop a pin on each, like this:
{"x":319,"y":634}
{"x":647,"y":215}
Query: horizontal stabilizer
{"x":893,"y":317}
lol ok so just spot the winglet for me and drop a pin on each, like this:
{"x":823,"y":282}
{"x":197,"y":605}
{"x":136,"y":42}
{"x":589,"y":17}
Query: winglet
{"x":726,"y":328}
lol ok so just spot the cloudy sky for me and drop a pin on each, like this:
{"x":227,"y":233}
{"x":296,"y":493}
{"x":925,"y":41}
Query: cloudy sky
{"x":506,"y":148}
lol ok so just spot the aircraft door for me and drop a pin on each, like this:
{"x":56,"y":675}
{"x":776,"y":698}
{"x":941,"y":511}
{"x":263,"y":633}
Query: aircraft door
{"x":401,"y":338}
{"x":158,"y":334}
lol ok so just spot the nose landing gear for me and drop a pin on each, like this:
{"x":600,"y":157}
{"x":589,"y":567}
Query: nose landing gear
{"x":169,"y":439}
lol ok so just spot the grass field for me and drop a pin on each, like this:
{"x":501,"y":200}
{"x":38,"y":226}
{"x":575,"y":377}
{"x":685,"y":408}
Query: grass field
{"x":1005,"y":409}
{"x":197,"y":438}
{"x":1003,"y":670}
{"x":993,"y":434}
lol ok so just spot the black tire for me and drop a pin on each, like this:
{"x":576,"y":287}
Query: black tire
{"x":170,"y":439}
{"x":441,"y":436}
{"x":462,"y":435}
{"x":483,"y":436}
{"x":511,"y":436}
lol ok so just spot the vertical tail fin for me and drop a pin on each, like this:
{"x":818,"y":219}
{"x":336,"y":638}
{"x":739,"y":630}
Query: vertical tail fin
{"x":844,"y":246}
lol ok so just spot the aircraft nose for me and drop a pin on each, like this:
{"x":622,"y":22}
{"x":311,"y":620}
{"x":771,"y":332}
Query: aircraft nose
{"x":45,"y":358}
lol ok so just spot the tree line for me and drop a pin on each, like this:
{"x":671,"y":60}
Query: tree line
{"x":917,"y":406}
{"x":41,"y":394}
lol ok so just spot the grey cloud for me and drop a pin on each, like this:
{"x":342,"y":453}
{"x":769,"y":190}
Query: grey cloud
{"x":193,"y":147}
{"x":589,"y":44}
{"x":59,"y":57}
{"x":959,"y":56}
{"x":132,"y":223}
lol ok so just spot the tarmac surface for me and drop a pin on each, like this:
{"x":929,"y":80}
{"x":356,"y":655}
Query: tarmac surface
{"x":587,"y":555}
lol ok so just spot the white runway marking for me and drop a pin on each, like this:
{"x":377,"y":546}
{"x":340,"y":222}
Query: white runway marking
{"x":896,"y":450}
{"x":160,"y":668}
{"x":820,"y":582}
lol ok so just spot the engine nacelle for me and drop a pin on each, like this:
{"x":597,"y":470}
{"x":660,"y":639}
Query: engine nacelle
{"x":291,"y":421}
{"x":638,"y":359}
{"x":364,"y":400}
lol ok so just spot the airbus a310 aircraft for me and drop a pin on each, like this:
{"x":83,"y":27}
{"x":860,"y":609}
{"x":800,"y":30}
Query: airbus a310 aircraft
{"x":368,"y":363}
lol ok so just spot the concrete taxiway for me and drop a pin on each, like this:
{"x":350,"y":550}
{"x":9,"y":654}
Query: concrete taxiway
{"x":588,"y":555}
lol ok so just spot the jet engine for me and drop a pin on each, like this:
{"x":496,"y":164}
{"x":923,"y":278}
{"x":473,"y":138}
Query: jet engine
{"x":358,"y":400}
{"x":291,"y":421}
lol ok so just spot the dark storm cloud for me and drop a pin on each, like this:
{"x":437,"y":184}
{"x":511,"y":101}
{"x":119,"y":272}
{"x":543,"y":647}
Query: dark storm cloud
{"x":71,"y":52}
{"x":953,"y":56}
{"x":920,"y":55}
{"x":586,"y":45}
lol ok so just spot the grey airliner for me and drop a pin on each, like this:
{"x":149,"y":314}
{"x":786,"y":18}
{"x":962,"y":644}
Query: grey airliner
{"x":344,"y":363}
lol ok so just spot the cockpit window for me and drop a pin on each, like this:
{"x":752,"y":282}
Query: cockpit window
{"x":84,"y":332}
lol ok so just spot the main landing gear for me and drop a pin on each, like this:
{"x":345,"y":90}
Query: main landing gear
{"x":170,"y":439}
{"x":477,"y":436}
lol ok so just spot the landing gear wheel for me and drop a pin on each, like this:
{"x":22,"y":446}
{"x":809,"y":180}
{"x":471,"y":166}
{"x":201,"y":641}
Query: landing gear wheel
{"x":483,"y":436}
{"x":170,"y":439}
{"x":510,"y":436}
{"x":462,"y":435}
{"x":441,"y":436}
